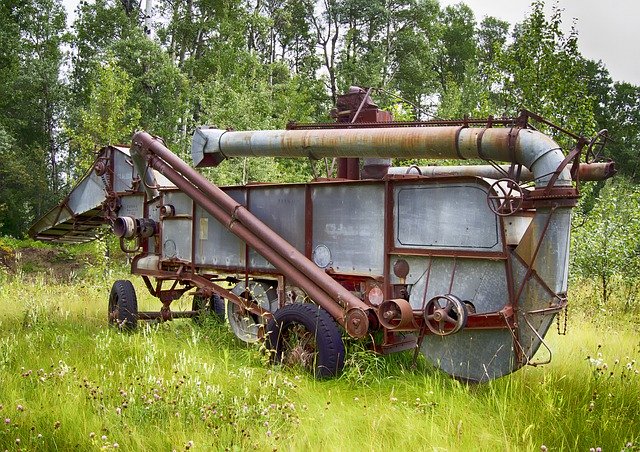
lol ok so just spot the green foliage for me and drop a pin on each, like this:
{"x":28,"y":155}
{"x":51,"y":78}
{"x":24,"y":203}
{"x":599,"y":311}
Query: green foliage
{"x":107,"y":118}
{"x":544,"y":72}
{"x":623,"y":123}
{"x":606,"y":239}
{"x":158,"y":89}
{"x":33,"y":33}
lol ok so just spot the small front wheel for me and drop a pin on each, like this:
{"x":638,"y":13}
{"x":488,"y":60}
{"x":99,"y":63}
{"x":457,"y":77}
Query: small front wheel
{"x":305,"y":335}
{"x":123,"y":306}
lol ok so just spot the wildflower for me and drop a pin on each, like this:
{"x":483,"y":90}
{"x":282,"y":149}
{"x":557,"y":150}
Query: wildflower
{"x":18,"y":441}
{"x":118,"y":411}
{"x":104,"y":437}
{"x":39,"y":435}
{"x":20,"y":408}
{"x":116,"y":445}
{"x":92,"y":435}
{"x":543,"y":448}
{"x":268,"y":432}
{"x":56,"y":425}
{"x":394,"y":399}
{"x":189,"y":445}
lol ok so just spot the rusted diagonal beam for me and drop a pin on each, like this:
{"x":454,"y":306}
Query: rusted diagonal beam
{"x":287,"y":259}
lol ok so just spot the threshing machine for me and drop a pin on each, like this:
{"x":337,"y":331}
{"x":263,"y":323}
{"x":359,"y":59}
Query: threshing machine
{"x":466,"y":264}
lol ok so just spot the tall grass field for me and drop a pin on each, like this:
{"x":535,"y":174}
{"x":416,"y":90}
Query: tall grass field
{"x":69,"y":382}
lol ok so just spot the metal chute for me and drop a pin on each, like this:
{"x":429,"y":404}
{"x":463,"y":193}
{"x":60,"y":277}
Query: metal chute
{"x":84,"y":212}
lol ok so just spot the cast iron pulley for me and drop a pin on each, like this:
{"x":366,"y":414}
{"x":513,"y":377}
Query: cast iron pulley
{"x":596,"y":146}
{"x":445,"y":315}
{"x":505,"y":197}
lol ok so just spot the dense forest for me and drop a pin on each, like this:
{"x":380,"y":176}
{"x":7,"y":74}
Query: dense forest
{"x":69,"y":89}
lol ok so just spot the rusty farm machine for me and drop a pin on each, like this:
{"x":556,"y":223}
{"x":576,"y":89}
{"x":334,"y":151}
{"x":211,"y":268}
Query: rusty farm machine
{"x":466,"y":264}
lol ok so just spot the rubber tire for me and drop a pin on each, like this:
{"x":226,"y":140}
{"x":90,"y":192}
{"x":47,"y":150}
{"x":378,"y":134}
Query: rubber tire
{"x":213,"y":307}
{"x":330,"y":350}
{"x":123,"y":299}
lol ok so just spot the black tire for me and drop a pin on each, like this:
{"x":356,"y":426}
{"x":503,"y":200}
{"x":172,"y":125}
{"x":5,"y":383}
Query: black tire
{"x":213,"y":307}
{"x":304,"y":334}
{"x":123,"y":306}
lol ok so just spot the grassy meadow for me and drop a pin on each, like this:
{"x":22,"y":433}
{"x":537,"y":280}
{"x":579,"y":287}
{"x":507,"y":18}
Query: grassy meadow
{"x":68,"y":381}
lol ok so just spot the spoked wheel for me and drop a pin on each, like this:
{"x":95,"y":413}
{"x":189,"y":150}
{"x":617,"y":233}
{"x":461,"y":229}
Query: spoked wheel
{"x":123,"y":306}
{"x":245,"y":325}
{"x":505,"y":197}
{"x":212,"y":307}
{"x":445,"y":315}
{"x":304,"y":335}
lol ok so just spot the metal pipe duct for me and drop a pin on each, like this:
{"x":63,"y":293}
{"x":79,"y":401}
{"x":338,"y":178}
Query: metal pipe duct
{"x":534,"y":150}
{"x":586,"y":171}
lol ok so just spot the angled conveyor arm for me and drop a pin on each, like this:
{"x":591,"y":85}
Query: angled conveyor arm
{"x":81,"y":215}
{"x":78,"y":218}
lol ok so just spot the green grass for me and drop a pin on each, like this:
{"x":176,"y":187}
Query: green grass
{"x":67,"y":381}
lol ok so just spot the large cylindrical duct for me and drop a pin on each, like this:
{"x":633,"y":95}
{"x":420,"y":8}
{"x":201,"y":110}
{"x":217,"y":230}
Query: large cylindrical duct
{"x":533,"y":149}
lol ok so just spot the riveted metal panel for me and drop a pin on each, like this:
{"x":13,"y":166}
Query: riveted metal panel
{"x":281,"y":209}
{"x":480,"y":282}
{"x":475,"y":355}
{"x":124,"y":172}
{"x":132,"y":206}
{"x":182,"y":204}
{"x":349,"y":220}
{"x":87,"y":195}
{"x":176,"y":238}
{"x":215,"y":245}
{"x":452,"y":216}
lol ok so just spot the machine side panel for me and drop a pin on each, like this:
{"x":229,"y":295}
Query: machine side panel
{"x":88,"y":195}
{"x":282,"y":209}
{"x":349,"y":221}
{"x":177,"y":230}
{"x":453,"y":216}
{"x":480,"y":282}
{"x":214,"y":244}
{"x":124,"y":172}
